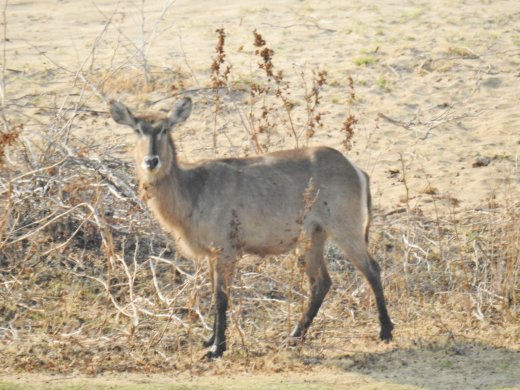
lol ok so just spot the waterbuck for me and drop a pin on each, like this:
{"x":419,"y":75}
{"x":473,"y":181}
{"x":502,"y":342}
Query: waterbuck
{"x":261,"y":205}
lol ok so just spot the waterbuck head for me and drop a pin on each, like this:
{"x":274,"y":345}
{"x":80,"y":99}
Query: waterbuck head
{"x":155,"y":152}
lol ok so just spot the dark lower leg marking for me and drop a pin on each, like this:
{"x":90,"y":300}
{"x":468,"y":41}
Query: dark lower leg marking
{"x":374,"y":279}
{"x":318,"y":292}
{"x":218,"y":340}
{"x":319,"y":281}
{"x":209,"y":342}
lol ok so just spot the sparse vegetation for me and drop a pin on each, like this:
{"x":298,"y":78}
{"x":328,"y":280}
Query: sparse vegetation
{"x":383,"y":83}
{"x":90,"y":284}
{"x":365,"y":60}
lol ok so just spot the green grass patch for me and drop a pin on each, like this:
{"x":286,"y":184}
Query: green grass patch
{"x":365,"y":60}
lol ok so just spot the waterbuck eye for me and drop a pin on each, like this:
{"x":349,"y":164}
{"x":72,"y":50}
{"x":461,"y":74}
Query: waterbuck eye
{"x":163,"y":130}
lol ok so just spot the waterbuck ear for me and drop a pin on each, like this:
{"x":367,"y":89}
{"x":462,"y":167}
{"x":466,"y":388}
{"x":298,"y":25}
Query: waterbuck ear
{"x":121,"y":114}
{"x":181,"y":111}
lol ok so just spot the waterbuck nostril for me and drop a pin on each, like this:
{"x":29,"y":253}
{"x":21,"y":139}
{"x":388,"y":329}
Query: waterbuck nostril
{"x":151,"y":162}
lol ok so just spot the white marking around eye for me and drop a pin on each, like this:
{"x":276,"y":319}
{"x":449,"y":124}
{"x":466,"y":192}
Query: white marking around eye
{"x":140,"y":129}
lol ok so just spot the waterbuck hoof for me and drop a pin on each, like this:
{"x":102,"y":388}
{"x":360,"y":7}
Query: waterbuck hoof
{"x":214,"y":353}
{"x":386,"y":333}
{"x":292,"y":341}
{"x":296,"y":338}
{"x":210,"y":355}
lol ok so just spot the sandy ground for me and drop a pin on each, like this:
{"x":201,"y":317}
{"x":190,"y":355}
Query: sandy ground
{"x":437,"y":92}
{"x":439,"y":85}
{"x":463,"y":367}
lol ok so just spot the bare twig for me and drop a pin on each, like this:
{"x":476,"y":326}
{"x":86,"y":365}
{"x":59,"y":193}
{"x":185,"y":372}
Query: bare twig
{"x":3,"y":103}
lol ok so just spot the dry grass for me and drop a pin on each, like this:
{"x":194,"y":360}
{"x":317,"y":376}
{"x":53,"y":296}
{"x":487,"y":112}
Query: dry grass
{"x":89,"y":283}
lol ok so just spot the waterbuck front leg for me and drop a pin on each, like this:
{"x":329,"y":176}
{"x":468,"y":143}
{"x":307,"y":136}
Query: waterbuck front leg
{"x":319,"y":281}
{"x":211,"y":269}
{"x":223,"y":277}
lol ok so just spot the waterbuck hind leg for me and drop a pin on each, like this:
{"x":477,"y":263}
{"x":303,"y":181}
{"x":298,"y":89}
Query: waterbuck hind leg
{"x":319,"y":282}
{"x":374,"y":279}
{"x":370,"y":269}
{"x":224,"y":270}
